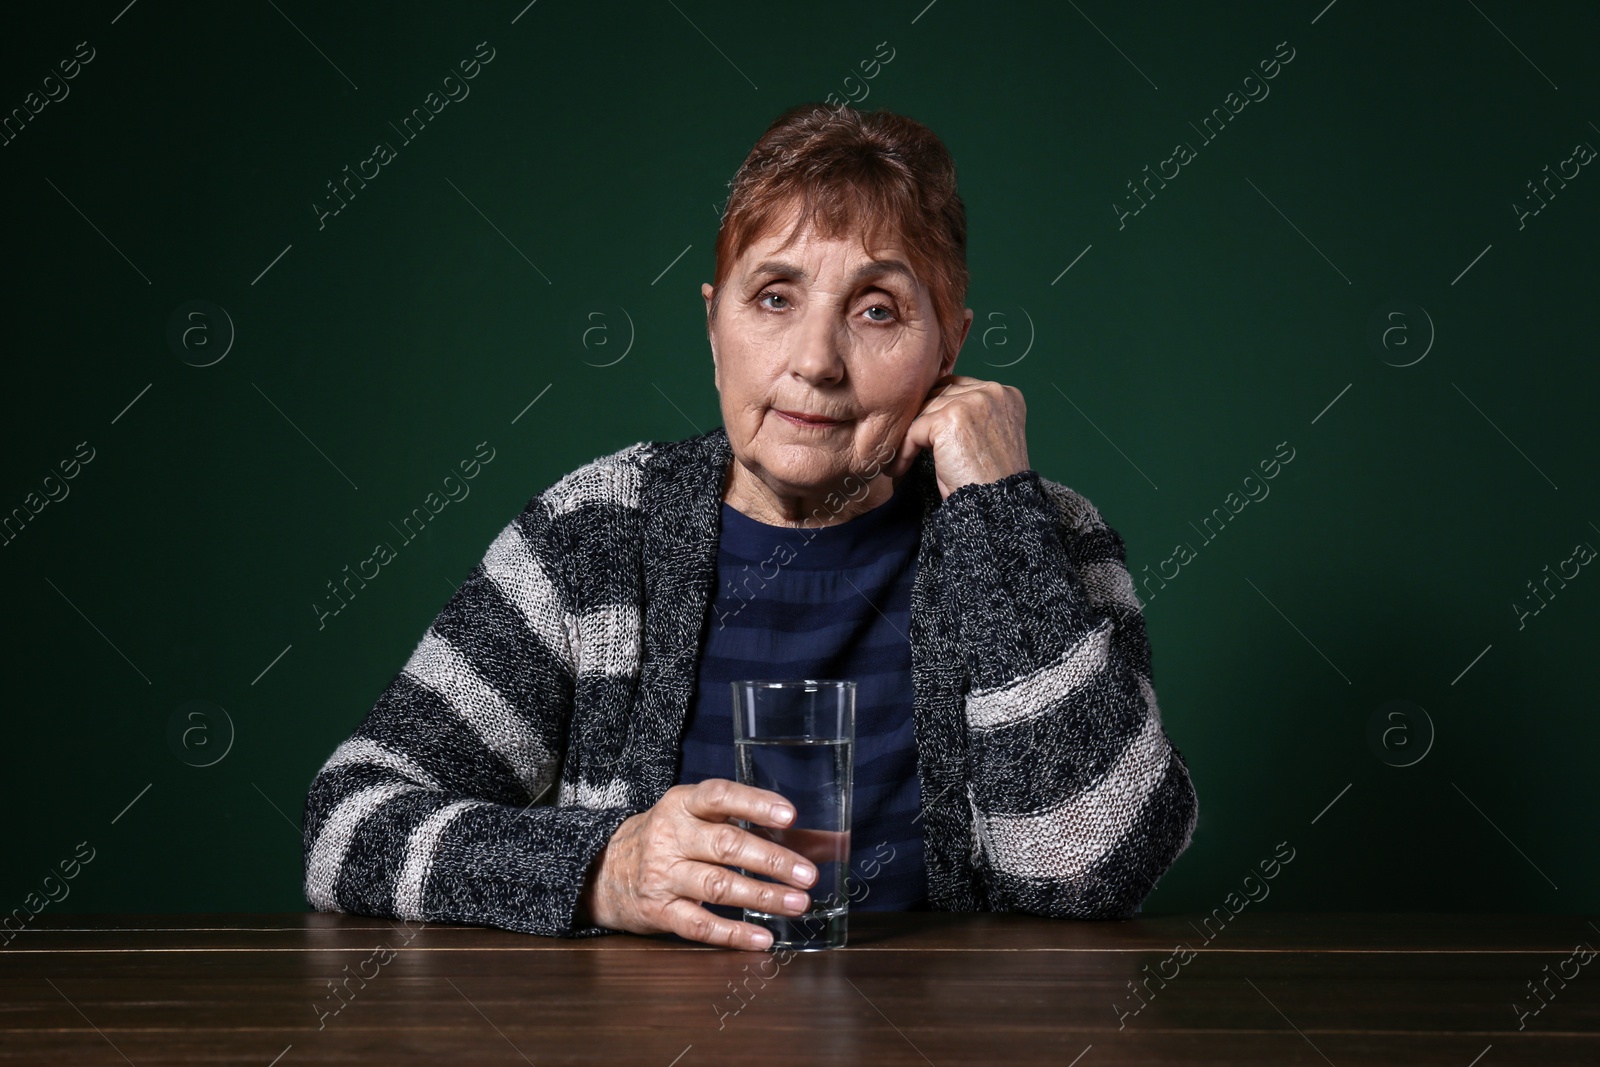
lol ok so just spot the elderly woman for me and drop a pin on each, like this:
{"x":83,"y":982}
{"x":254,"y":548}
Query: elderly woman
{"x":863,"y":513}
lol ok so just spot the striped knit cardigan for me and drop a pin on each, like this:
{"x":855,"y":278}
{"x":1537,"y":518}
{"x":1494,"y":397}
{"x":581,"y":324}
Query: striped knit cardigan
{"x":568,"y":658}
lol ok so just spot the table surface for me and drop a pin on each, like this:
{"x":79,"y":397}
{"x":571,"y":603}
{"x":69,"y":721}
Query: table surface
{"x":910,"y":988}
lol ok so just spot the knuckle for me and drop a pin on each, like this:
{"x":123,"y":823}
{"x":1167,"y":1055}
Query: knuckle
{"x":726,"y":842}
{"x":716,"y":885}
{"x":699,"y":927}
{"x":715,"y":791}
{"x":697,"y":924}
{"x":683,"y":799}
{"x":652,"y":885}
{"x":660,"y":841}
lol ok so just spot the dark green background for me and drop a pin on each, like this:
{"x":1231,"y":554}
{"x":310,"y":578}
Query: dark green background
{"x":599,"y":142}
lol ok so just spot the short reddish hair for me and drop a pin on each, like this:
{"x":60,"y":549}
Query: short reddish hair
{"x":874,"y":173}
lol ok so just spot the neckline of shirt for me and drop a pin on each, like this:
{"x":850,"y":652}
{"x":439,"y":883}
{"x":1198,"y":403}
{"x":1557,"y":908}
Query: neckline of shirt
{"x":890,"y":523}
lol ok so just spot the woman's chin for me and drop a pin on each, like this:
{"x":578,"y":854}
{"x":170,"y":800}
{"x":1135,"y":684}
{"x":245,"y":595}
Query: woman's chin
{"x":805,"y":465}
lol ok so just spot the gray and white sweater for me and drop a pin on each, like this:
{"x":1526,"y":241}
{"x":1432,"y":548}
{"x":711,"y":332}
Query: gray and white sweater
{"x":568,"y":657}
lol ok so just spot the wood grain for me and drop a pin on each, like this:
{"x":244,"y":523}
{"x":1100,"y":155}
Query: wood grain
{"x":912,"y":988}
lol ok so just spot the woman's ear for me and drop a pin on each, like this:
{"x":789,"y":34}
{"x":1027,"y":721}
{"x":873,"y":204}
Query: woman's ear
{"x":947,"y":365}
{"x":708,"y":293}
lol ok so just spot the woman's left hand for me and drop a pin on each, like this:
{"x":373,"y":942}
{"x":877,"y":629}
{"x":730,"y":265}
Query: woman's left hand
{"x":975,"y":429}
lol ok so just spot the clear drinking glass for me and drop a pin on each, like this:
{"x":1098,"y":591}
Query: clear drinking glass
{"x":796,"y":739}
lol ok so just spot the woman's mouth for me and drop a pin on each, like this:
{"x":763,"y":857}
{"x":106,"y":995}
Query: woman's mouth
{"x":806,"y":419}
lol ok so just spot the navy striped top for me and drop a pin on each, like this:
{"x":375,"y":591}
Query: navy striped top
{"x":825,"y":602}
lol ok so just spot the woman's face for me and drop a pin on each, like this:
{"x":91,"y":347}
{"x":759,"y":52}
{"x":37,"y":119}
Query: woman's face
{"x":821,"y":328}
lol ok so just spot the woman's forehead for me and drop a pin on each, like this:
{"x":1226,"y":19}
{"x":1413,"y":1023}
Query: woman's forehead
{"x":778,"y":245}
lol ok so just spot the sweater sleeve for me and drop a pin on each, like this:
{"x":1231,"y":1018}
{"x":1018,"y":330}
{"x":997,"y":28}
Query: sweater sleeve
{"x":440,"y":807}
{"x":1079,"y":801}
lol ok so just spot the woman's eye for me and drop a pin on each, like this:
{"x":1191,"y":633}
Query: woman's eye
{"x":888,"y":315}
{"x":771,"y":296}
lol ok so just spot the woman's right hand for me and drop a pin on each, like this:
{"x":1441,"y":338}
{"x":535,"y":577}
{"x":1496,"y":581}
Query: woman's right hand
{"x":662,"y":863}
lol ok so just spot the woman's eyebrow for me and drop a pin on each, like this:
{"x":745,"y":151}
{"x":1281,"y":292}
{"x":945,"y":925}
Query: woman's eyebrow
{"x":876,"y":268}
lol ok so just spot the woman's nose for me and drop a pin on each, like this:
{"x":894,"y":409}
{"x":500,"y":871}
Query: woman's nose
{"x":816,"y":353}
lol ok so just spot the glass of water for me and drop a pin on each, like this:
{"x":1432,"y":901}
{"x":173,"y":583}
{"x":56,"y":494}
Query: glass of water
{"x":796,"y":738}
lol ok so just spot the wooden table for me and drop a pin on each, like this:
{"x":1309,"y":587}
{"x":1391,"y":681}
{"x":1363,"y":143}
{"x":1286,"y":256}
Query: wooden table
{"x":913,"y":988}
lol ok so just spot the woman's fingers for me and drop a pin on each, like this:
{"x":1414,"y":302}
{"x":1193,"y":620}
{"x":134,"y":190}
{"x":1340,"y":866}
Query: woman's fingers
{"x":715,"y":884}
{"x":680,"y":854}
{"x":818,"y":846}
{"x":734,"y":846}
{"x":687,"y":919}
{"x":720,"y":799}
{"x":717,"y":799}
